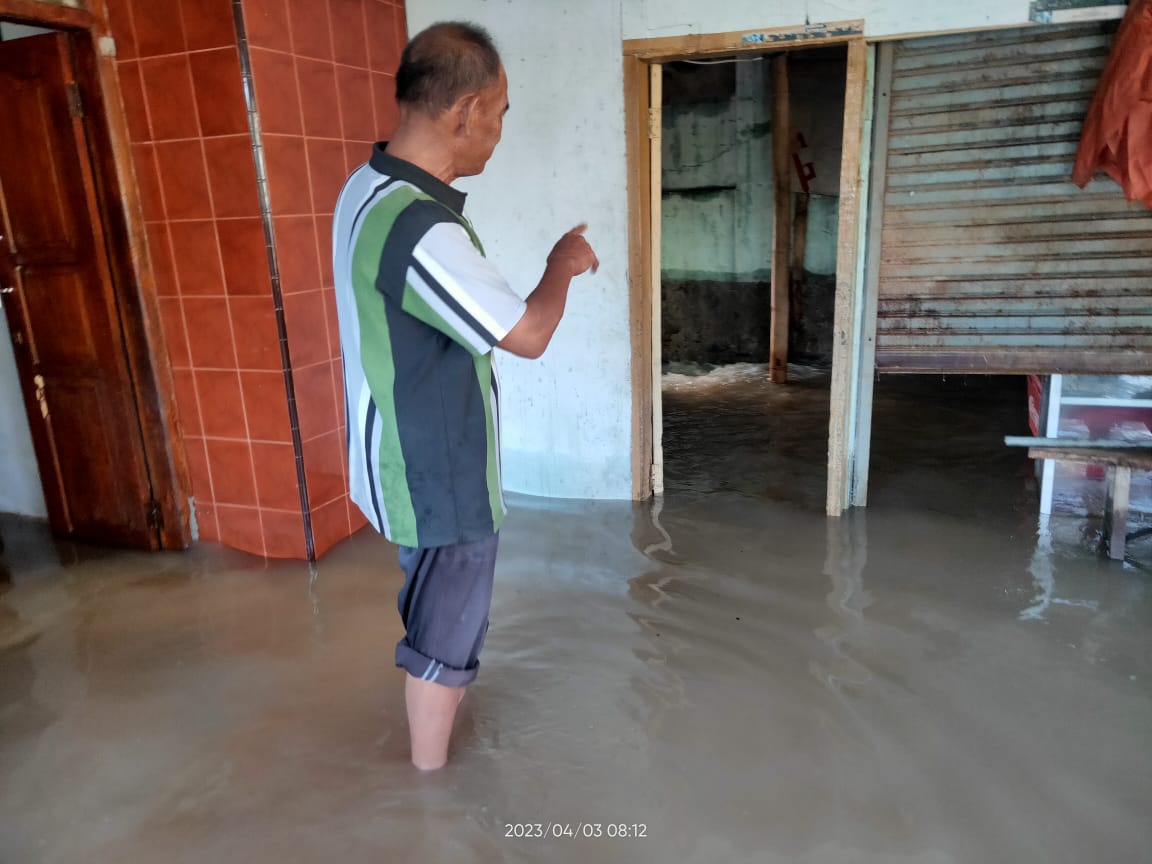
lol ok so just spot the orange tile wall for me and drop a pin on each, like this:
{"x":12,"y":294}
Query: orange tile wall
{"x":324,"y":91}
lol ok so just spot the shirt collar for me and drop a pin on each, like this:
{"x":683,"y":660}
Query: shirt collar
{"x":389,"y":165}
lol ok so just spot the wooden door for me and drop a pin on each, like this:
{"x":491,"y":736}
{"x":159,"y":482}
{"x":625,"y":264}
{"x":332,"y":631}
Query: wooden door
{"x":62,"y":308}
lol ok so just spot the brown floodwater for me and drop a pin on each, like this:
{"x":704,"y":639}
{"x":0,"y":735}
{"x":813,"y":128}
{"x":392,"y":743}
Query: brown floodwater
{"x":940,"y":678}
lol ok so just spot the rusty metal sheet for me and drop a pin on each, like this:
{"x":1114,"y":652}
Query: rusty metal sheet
{"x":990,"y":259}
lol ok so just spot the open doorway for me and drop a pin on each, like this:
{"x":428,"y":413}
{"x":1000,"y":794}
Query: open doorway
{"x":80,"y":361}
{"x":745,"y":371}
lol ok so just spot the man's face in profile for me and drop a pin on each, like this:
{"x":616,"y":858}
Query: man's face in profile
{"x":486,"y":126}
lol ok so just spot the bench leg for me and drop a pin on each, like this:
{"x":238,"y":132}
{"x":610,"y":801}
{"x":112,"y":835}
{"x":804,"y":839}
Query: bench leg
{"x":1116,"y":511}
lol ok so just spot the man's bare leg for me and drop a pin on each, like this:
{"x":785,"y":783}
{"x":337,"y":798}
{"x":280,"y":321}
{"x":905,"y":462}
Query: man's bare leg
{"x":431,"y":712}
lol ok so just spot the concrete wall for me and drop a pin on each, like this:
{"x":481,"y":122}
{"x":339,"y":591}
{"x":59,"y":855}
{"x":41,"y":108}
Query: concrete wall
{"x":717,"y":182}
{"x":728,"y":234}
{"x":567,"y":421}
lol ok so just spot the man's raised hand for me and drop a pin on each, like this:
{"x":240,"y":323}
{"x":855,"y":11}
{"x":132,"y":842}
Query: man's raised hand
{"x":573,"y":252}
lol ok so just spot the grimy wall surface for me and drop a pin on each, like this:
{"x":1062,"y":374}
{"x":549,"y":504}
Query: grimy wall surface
{"x":566,"y":424}
{"x":716,"y":213}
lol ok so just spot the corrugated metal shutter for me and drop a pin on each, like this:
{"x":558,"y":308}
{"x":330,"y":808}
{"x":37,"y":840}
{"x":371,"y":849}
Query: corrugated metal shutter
{"x":990,"y":258}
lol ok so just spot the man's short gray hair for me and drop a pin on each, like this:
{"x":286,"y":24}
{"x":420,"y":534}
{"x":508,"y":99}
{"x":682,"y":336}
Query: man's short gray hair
{"x":444,"y":62}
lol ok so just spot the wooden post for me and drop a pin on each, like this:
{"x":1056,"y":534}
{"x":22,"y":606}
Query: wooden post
{"x":1115,"y":528}
{"x":637,"y":101}
{"x":655,"y":186}
{"x":877,"y":185}
{"x":847,"y":326}
{"x":782,"y":223}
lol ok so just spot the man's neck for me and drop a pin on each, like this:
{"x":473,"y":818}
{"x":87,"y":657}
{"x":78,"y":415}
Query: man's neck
{"x":423,"y":148}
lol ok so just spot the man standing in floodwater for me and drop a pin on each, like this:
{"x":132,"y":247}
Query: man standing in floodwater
{"x":420,"y":311}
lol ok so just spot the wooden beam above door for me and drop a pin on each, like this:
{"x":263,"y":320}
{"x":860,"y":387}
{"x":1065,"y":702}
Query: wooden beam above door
{"x":46,"y":14}
{"x":769,"y":39}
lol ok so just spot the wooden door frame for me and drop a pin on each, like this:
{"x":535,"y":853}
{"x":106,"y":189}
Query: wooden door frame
{"x":849,"y":331}
{"x":640,"y":266}
{"x":133,"y":282}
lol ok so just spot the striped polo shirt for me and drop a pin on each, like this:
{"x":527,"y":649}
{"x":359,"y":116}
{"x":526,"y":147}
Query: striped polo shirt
{"x":420,"y":310}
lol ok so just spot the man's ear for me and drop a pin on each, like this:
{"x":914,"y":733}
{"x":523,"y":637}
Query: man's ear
{"x":463,"y":112}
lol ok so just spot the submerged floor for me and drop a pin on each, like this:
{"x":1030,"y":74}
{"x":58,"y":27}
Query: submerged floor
{"x":729,"y":673}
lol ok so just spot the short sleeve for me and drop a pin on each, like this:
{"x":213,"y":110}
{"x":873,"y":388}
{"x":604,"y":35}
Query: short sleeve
{"x":451,"y":286}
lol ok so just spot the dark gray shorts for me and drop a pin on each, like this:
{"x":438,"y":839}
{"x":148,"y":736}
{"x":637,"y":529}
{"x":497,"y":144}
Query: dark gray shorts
{"x":444,"y":606}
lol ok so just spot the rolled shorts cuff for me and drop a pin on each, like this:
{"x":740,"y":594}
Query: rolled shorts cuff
{"x":429,"y":669}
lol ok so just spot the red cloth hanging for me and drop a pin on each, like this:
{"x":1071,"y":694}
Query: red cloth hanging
{"x":1117,"y":135}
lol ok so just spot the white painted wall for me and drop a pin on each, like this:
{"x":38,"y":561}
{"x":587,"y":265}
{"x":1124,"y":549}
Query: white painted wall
{"x":20,"y":490}
{"x":645,"y":19}
{"x":567,"y":417}
{"x":10,"y":30}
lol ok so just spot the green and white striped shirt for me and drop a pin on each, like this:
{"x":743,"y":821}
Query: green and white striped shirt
{"x":420,"y":310}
